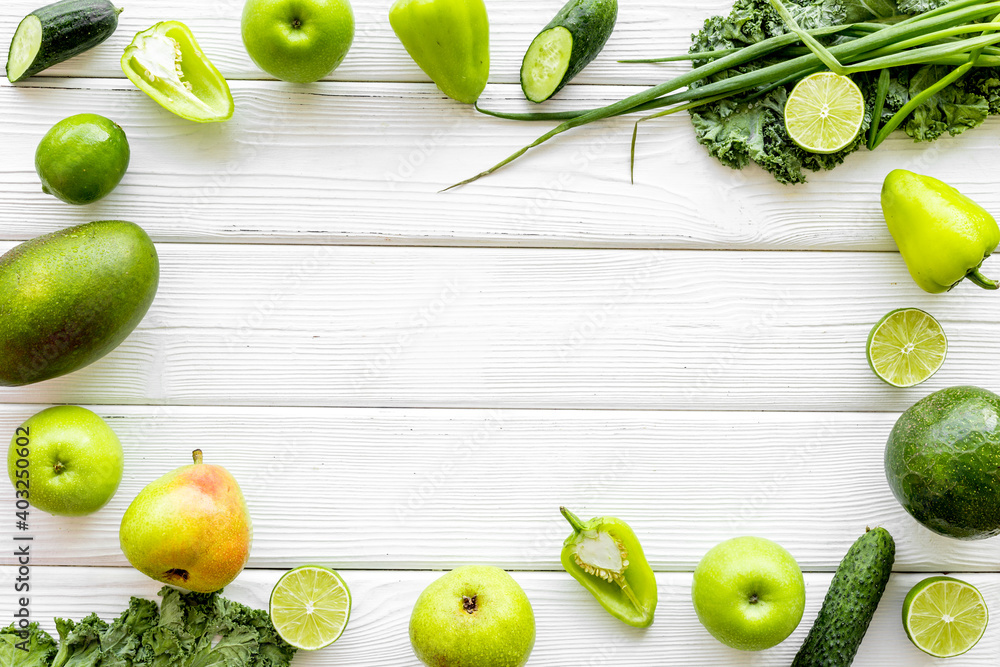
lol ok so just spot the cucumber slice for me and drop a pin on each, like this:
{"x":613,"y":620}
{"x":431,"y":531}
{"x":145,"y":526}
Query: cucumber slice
{"x":57,"y":32}
{"x":546,"y":62}
{"x":566,"y":45}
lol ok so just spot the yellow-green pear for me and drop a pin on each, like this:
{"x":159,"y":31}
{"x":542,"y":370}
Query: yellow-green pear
{"x":190,"y":528}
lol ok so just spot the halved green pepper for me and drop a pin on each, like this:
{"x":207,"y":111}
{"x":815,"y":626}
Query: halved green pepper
{"x":167,"y":64}
{"x":449,"y":40}
{"x":605,"y":556}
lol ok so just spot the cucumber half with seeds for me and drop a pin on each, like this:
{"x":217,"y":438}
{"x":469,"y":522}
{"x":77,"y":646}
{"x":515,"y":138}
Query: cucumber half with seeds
{"x":57,"y":32}
{"x":566,"y":45}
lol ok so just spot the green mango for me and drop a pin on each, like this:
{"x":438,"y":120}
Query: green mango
{"x":942,"y":235}
{"x":70,"y":297}
{"x":942,"y":462}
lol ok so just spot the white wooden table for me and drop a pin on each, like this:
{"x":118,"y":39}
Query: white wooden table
{"x":404,"y":381}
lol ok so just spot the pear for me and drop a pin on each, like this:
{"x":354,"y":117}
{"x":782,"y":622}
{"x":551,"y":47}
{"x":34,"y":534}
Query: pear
{"x":190,"y":528}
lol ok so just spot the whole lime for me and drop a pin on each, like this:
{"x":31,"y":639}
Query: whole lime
{"x":297,"y":40}
{"x":942,"y":462}
{"x":82,"y":158}
{"x":65,"y":460}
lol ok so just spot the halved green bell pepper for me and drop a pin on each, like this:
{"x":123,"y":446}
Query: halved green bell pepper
{"x":943,"y":235}
{"x":605,"y":556}
{"x":167,"y":64}
{"x":449,"y":40}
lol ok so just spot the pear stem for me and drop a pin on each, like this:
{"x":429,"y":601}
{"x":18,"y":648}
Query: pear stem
{"x":196,"y":455}
{"x":573,"y":519}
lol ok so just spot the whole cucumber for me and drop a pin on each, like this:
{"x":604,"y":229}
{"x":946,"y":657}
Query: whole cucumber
{"x":57,"y":32}
{"x":850,"y":602}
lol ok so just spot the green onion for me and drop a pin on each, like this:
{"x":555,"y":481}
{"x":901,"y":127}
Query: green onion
{"x":927,"y":38}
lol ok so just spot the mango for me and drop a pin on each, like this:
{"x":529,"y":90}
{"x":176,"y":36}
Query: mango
{"x":70,"y":297}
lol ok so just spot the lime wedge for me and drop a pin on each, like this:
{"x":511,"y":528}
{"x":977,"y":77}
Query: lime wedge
{"x":824,"y":112}
{"x":906,"y":347}
{"x":310,"y":606}
{"x":944,"y":617}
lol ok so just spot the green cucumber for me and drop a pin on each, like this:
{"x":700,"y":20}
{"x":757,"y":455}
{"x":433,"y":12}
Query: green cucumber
{"x":566,"y":45}
{"x":850,"y":602}
{"x":57,"y":32}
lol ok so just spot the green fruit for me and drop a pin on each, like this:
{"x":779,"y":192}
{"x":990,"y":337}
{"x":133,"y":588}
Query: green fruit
{"x":190,"y":528}
{"x":850,"y":602}
{"x":70,"y":297}
{"x":297,"y":40}
{"x":67,"y":460}
{"x":474,"y":616}
{"x":942,"y":461}
{"x":749,"y":593}
{"x":82,"y":158}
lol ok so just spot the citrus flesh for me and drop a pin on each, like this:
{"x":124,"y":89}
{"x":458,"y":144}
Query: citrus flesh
{"x":944,"y":617}
{"x":906,"y":347}
{"x":310,"y":607}
{"x":824,"y":112}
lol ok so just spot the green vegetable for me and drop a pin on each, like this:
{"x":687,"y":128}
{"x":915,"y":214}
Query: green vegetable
{"x":449,"y":40}
{"x":748,"y":61}
{"x":70,"y":297}
{"x":942,"y":462}
{"x":189,"y":630}
{"x":943,"y":235}
{"x":167,"y":64}
{"x":26,"y":647}
{"x":57,"y":32}
{"x":566,"y":45}
{"x":850,"y":602}
{"x":605,"y":556}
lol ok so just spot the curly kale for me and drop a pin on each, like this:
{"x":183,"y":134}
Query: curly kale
{"x":188,"y":630}
{"x":750,"y":127}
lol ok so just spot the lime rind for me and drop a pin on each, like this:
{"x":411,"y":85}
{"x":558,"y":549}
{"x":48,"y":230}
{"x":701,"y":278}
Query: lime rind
{"x":944,"y":617}
{"x":824,"y":112}
{"x":906,"y":347}
{"x":310,"y":607}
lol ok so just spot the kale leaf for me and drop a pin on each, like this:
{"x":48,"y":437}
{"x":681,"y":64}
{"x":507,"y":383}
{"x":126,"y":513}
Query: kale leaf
{"x":750,"y":127}
{"x":187,"y":630}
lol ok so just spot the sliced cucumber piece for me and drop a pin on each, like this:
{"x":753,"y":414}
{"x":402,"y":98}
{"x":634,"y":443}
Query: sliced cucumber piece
{"x":57,"y":32}
{"x":566,"y":45}
{"x":24,"y":47}
{"x":546,"y":62}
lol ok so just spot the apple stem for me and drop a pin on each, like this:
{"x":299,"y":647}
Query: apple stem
{"x":573,"y":519}
{"x":196,"y":455}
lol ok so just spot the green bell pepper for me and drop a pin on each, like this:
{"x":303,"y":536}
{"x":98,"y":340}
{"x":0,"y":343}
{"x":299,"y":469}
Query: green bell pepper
{"x":943,"y":235}
{"x":605,"y":556}
{"x":449,"y":40}
{"x":167,"y":64}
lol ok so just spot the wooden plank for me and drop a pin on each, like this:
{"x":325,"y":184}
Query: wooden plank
{"x":645,"y":28}
{"x":531,"y":328}
{"x":571,"y":628}
{"x":363,"y":163}
{"x":431,"y":489}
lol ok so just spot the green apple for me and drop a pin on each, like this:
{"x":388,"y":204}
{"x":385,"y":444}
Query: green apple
{"x":297,"y":40}
{"x":474,"y":616}
{"x":749,"y":593}
{"x":70,"y":461}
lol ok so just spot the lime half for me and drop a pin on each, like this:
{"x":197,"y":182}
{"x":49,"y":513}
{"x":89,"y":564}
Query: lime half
{"x":824,"y":112}
{"x":944,"y":617}
{"x":310,"y":606}
{"x":906,"y":347}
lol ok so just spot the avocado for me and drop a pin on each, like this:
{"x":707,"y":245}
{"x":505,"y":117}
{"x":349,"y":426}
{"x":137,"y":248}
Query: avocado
{"x":70,"y":297}
{"x":942,"y":462}
{"x":850,"y":602}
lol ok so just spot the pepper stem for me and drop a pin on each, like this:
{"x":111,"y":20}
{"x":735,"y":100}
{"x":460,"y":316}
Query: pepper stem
{"x":986,"y":283}
{"x":573,"y":519}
